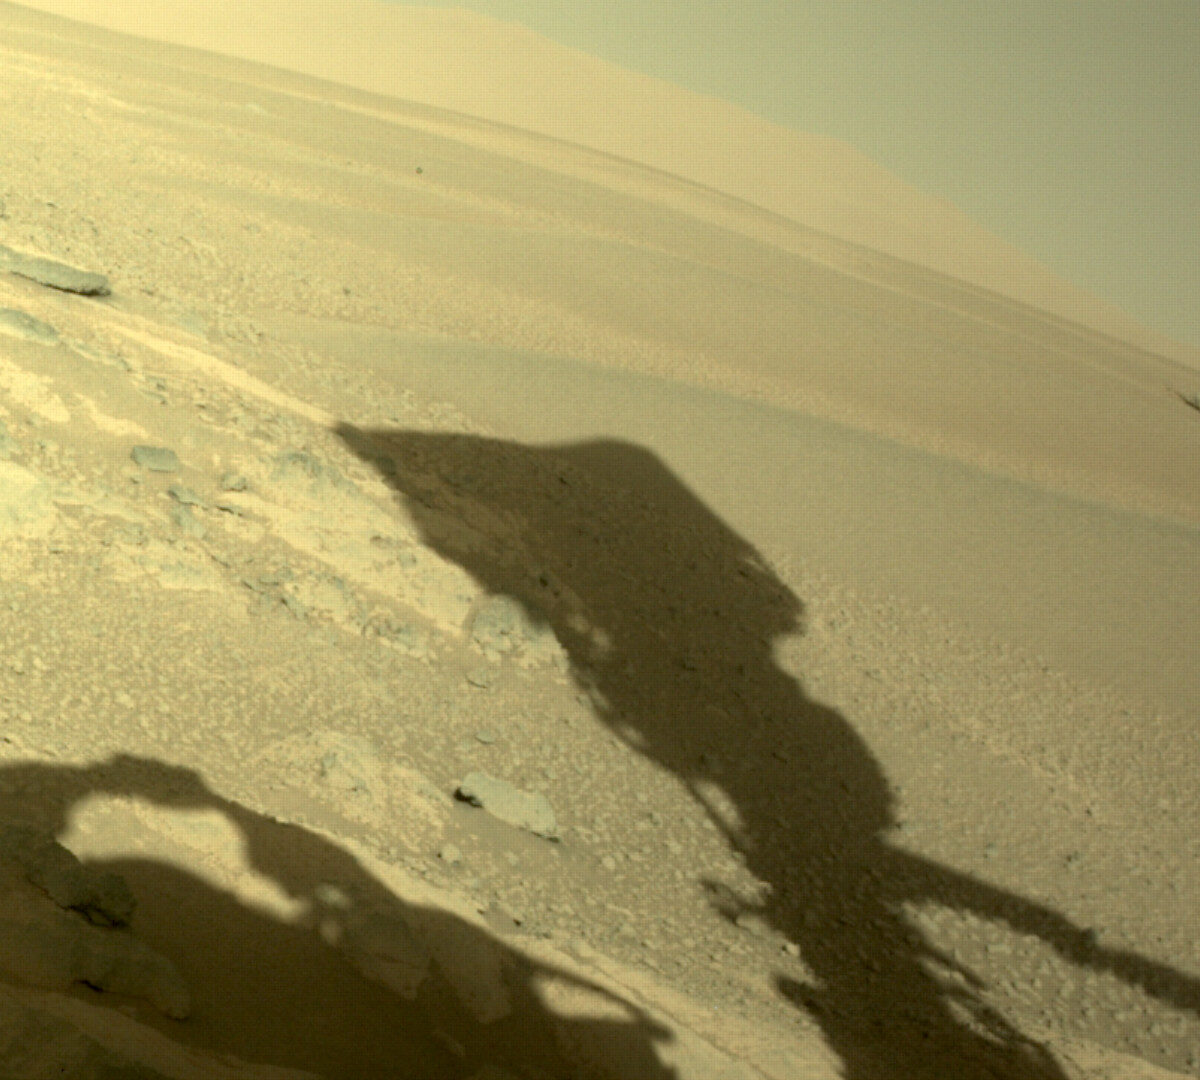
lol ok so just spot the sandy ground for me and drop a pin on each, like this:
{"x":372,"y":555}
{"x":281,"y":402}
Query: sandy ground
{"x":817,"y":630}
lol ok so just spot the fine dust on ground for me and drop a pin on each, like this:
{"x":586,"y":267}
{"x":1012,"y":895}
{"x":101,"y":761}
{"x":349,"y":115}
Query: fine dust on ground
{"x":465,"y":619}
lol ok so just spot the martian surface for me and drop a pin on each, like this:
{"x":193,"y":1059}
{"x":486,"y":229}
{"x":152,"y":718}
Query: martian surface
{"x":498,"y":582}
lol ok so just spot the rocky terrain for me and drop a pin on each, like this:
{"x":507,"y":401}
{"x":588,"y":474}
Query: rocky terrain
{"x":356,"y":721}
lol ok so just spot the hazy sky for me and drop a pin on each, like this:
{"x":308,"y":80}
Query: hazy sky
{"x":1069,"y":127}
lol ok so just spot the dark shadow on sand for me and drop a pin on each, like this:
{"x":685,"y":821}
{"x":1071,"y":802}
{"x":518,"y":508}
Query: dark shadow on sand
{"x":298,"y":993}
{"x":668,"y":618}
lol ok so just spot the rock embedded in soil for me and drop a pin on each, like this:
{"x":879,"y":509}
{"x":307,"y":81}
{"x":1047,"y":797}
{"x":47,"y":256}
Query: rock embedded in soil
{"x":522,"y":809}
{"x":183,"y":518}
{"x":503,"y":625}
{"x":184,"y":495}
{"x":53,"y":274}
{"x":18,"y":324}
{"x":155,"y":458}
{"x":102,"y":898}
{"x":62,"y":924}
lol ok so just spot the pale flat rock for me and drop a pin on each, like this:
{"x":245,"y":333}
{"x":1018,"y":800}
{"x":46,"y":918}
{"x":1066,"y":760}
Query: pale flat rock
{"x":155,"y":458}
{"x":54,"y":275}
{"x":522,"y":809}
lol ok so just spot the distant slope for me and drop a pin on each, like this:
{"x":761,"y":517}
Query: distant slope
{"x":481,"y":67}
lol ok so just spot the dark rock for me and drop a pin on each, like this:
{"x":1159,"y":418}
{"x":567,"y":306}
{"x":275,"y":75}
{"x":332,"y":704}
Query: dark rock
{"x":102,"y":898}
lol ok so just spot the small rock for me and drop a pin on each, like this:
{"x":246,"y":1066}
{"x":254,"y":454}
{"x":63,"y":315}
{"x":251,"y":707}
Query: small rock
{"x":184,"y":495}
{"x":499,"y":798}
{"x":451,"y":854}
{"x":352,"y":764}
{"x":233,"y":482}
{"x":502,"y":624}
{"x":56,"y":275}
{"x":19,"y":324}
{"x":155,"y":458}
{"x":187,"y":522}
{"x":483,"y":677}
{"x":485,"y":737}
{"x":752,"y":923}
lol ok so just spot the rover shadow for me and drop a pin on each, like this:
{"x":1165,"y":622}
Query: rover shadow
{"x":355,"y":984}
{"x":669,"y":619}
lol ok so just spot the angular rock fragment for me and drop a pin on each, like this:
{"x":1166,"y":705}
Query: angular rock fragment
{"x":155,"y":458}
{"x":18,"y":324}
{"x":56,"y":275}
{"x":522,"y":809}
